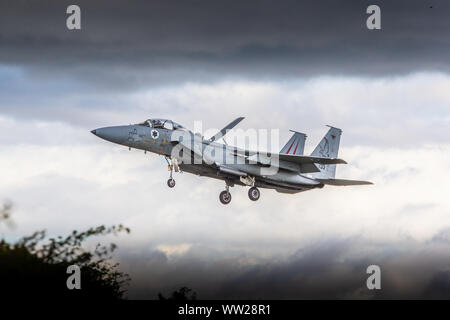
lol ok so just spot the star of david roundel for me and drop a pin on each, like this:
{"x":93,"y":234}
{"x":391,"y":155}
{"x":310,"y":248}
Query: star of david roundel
{"x":154,"y":134}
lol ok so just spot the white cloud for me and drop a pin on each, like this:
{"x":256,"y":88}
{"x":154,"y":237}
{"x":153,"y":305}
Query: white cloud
{"x":394,"y":111}
{"x":61,"y":177}
{"x":75,"y":186}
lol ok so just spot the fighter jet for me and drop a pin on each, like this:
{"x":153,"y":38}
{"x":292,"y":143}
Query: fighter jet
{"x":288,"y":171}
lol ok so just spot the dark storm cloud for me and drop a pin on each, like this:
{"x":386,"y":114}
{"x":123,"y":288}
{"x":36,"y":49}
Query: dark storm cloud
{"x":330,"y":269}
{"x":126,"y":43}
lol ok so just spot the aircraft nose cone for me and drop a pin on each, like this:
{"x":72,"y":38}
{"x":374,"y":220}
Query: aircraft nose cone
{"x":104,"y":133}
{"x":117,"y":134}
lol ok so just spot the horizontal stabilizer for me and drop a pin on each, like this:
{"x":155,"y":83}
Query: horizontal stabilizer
{"x":343,"y":182}
{"x":310,"y":159}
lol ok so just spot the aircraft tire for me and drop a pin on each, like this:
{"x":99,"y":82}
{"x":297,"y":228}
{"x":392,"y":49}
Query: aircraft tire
{"x":253,"y":193}
{"x":225,"y":197}
{"x":171,"y":183}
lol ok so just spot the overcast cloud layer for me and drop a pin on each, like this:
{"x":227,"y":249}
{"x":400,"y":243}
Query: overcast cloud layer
{"x":282,"y":65}
{"x":137,"y":43}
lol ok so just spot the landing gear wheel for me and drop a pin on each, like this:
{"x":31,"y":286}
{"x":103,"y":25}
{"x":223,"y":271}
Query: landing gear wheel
{"x":225,"y":197}
{"x":171,"y":183}
{"x":253,"y":193}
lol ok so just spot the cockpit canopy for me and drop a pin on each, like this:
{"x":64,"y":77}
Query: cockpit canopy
{"x":161,"y":123}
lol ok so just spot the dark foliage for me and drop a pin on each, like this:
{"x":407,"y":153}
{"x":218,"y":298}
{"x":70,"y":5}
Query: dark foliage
{"x":36,"y":267}
{"x":184,"y":294}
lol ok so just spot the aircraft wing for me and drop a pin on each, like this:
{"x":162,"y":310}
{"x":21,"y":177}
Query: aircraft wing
{"x":303,"y":164}
{"x":343,"y":182}
{"x":308,"y":164}
{"x":264,"y":159}
{"x":309,"y":159}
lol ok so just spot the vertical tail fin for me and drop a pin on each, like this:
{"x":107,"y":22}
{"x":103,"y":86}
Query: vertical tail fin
{"x":295,"y":145}
{"x":328,"y":147}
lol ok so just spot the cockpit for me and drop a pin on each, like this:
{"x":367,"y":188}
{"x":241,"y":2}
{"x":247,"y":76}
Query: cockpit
{"x":161,"y":123}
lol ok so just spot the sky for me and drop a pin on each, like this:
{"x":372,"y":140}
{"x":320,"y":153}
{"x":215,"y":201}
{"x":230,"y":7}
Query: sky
{"x":284,"y":65}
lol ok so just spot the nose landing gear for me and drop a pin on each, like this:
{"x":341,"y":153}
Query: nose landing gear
{"x":172,"y":165}
{"x":171,"y":183}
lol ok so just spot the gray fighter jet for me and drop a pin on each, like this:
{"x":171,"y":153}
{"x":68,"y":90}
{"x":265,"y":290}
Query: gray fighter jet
{"x":288,"y":171}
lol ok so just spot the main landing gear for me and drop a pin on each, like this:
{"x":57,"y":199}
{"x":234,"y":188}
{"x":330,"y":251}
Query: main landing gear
{"x":225,"y":196}
{"x":253,"y":193}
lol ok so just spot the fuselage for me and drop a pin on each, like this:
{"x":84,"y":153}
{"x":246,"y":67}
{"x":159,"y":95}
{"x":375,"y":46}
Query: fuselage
{"x":216,"y":161}
{"x":289,"y":171}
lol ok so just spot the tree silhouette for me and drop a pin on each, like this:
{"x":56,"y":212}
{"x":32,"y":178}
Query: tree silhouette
{"x":183,"y":294}
{"x":36,"y":267}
